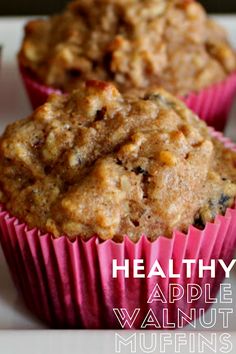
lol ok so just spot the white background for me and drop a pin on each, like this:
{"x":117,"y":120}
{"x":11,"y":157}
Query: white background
{"x":20,"y":332}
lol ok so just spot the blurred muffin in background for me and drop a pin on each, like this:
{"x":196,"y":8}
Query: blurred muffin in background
{"x":136,"y":45}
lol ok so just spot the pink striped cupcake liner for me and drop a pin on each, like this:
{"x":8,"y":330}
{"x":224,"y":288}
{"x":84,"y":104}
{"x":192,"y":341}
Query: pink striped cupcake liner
{"x":37,"y":92}
{"x":213,"y":104}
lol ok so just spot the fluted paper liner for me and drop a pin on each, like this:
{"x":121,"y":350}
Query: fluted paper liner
{"x":211,"y":104}
{"x":37,"y":92}
{"x":69,"y":284}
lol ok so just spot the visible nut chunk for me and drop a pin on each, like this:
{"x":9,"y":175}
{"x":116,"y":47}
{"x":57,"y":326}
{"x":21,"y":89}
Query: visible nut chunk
{"x":168,"y":158}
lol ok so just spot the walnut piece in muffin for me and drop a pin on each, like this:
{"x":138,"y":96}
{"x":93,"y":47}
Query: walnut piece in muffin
{"x":133,"y":43}
{"x":99,"y":162}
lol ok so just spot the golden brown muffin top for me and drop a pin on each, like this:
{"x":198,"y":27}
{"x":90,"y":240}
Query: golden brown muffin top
{"x":135,"y":44}
{"x":98,"y":162}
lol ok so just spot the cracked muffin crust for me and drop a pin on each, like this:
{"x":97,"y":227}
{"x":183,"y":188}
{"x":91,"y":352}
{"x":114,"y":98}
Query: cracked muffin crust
{"x":99,"y":162}
{"x":134,"y":44}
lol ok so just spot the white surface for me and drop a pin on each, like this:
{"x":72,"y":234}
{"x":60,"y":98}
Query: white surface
{"x":13,"y":315}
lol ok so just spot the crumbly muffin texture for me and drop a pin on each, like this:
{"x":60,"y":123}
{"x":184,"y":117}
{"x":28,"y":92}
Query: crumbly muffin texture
{"x":133,"y":43}
{"x":100,"y":163}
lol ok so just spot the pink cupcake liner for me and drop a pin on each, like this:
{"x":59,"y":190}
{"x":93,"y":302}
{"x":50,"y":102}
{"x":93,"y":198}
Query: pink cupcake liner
{"x":37,"y":92}
{"x":212,"y":104}
{"x":69,"y":284}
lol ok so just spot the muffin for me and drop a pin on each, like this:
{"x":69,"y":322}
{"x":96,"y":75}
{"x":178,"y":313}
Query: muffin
{"x":117,"y":175}
{"x":136,"y":45}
